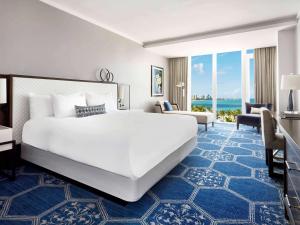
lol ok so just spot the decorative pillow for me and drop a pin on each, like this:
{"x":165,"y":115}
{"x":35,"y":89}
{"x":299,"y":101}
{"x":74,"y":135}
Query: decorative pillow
{"x":64,"y":105}
{"x":83,"y":111}
{"x":168,"y":106}
{"x":255,"y":110}
{"x":107,"y":99}
{"x":40,"y":106}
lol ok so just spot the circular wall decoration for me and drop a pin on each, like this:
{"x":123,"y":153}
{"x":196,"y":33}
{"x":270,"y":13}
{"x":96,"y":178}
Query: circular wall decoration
{"x":104,"y":75}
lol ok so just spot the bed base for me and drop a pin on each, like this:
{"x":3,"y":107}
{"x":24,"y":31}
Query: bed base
{"x":81,"y":185}
{"x":129,"y":190}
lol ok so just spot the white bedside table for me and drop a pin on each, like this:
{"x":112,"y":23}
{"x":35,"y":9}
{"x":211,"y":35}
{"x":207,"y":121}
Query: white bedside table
{"x":137,"y":110}
{"x":132,"y":110}
{"x":8,"y":147}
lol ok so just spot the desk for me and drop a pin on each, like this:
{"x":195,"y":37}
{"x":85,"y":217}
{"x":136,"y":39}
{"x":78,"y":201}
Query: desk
{"x":291,"y":131}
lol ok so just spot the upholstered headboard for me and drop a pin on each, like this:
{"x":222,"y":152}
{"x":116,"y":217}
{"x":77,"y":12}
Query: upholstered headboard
{"x":22,"y":86}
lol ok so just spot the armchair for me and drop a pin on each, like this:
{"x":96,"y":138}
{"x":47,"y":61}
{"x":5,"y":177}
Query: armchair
{"x":274,"y":142}
{"x":251,"y":119}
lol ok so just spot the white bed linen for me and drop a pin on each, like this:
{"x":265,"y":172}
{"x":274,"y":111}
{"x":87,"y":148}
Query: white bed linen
{"x":125,"y":143}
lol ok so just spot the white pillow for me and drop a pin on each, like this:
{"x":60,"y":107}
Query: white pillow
{"x":93,"y":99}
{"x":40,"y":106}
{"x":255,"y":110}
{"x":64,"y":105}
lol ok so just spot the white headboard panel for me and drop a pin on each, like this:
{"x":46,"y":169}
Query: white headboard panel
{"x":23,"y":86}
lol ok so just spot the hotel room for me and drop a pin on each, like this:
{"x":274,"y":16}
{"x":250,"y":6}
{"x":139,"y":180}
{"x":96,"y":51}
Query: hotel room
{"x":149,"y":112}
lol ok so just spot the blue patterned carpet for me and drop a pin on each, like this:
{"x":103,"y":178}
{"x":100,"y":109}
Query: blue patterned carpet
{"x":223,"y":181}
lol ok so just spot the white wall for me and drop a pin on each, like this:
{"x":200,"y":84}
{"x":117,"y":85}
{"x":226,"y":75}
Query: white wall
{"x":286,"y":64}
{"x":36,"y":39}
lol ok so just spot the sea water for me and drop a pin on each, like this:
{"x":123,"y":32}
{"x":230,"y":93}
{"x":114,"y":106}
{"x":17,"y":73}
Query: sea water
{"x":222,"y":104}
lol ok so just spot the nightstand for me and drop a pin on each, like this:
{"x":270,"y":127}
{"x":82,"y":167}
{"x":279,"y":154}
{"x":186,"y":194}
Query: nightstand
{"x":137,"y":110}
{"x":8,"y":150}
{"x":133,"y":110}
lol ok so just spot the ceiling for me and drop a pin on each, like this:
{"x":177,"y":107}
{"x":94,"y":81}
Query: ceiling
{"x":149,"y":20}
{"x":155,"y":21}
{"x":226,"y":43}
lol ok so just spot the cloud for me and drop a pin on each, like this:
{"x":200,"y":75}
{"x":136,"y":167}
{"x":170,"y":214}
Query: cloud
{"x":234,"y":93}
{"x":199,"y":67}
{"x":225,"y":70}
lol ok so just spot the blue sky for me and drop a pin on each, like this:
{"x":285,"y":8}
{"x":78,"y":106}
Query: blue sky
{"x":228,"y":74}
{"x":201,"y":75}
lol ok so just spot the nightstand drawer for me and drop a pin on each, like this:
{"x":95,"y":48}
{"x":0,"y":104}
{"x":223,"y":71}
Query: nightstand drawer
{"x":5,"y":135}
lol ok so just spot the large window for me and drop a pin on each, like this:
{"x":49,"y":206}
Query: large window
{"x":202,"y":83}
{"x":222,"y":83}
{"x":229,"y":95}
{"x":251,"y":74}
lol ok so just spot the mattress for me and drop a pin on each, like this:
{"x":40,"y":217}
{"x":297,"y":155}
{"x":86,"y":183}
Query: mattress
{"x":126,"y":143}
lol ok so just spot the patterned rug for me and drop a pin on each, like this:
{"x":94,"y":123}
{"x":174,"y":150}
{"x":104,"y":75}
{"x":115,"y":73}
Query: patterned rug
{"x":223,"y":181}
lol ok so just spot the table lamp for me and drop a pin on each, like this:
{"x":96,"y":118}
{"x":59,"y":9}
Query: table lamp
{"x":181,"y":85}
{"x":121,"y":95}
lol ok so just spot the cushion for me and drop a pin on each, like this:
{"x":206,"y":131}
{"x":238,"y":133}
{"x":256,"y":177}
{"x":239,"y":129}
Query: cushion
{"x":202,"y":117}
{"x":83,"y":111}
{"x":64,"y":105}
{"x":279,"y":141}
{"x":255,"y":110}
{"x":40,"y":106}
{"x":257,"y":105}
{"x":168,"y":106}
{"x":93,"y":99}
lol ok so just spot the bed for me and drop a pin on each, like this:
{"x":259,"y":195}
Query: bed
{"x":121,"y":153}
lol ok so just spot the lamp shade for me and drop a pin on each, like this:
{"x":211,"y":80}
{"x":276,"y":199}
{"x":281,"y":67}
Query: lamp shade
{"x":180,"y":84}
{"x":290,"y":82}
{"x":121,"y":92}
{"x":3,"y":91}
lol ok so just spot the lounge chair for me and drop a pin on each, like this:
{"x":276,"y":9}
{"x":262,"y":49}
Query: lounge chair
{"x":251,"y":119}
{"x":202,"y":117}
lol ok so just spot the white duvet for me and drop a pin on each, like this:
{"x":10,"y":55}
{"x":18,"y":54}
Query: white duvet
{"x":126,"y":143}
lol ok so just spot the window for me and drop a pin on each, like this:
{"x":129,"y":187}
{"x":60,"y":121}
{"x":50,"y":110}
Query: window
{"x":222,"y":83}
{"x":201,"y":80}
{"x":229,"y":96}
{"x":250,"y":53}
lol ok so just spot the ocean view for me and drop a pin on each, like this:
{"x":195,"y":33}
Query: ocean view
{"x":224,"y":104}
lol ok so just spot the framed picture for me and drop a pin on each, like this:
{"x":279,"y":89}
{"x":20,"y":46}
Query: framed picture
{"x":157,"y":81}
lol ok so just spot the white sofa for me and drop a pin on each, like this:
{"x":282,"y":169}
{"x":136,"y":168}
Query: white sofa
{"x":202,"y":117}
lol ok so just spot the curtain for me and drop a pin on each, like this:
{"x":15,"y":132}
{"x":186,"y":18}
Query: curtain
{"x":265,"y":76}
{"x":178,"y":75}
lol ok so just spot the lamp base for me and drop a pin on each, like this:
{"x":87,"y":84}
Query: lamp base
{"x":291,"y":104}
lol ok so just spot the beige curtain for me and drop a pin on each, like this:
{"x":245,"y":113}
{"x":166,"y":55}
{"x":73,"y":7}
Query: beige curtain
{"x":265,"y":75}
{"x":178,"y":73}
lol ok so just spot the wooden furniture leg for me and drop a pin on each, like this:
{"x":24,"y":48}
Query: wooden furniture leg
{"x":270,"y":162}
{"x":267,"y":156}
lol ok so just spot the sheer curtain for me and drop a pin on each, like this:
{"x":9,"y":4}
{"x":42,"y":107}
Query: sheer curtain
{"x":265,"y":75}
{"x":178,"y":74}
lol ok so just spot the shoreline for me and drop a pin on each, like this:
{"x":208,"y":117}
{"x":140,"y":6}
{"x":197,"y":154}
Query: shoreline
{"x":222,"y":104}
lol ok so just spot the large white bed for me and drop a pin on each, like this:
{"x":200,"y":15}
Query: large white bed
{"x":122,"y":153}
{"x":126,"y":143}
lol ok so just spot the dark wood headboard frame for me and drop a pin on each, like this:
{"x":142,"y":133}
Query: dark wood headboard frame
{"x":6,"y":118}
{"x":6,"y":109}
